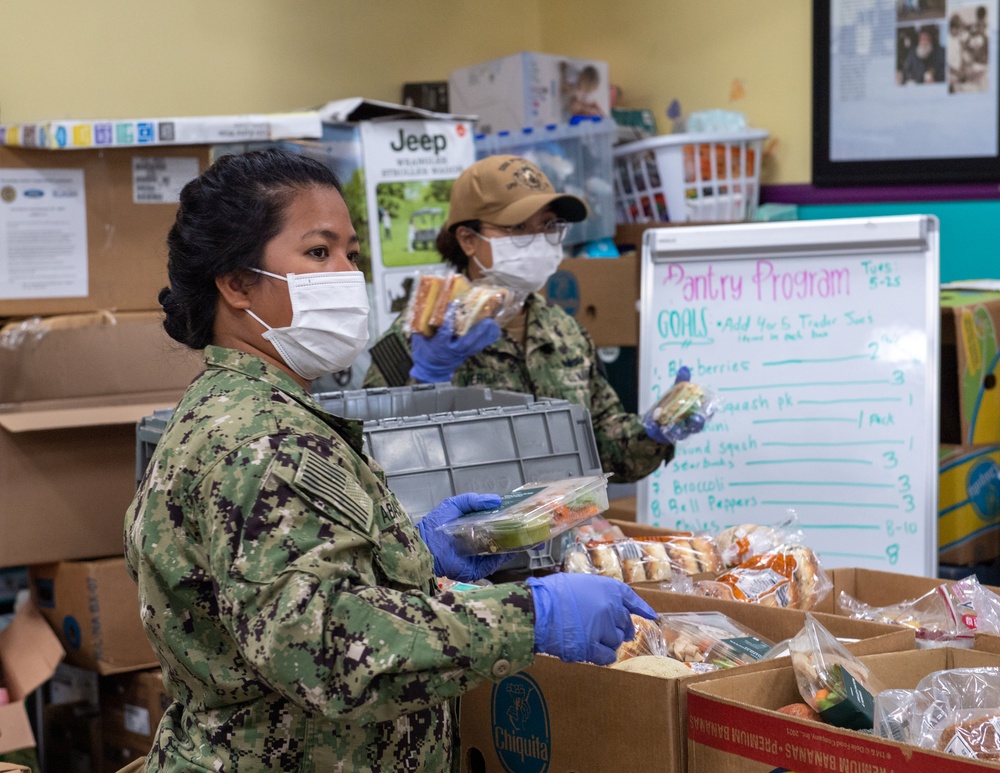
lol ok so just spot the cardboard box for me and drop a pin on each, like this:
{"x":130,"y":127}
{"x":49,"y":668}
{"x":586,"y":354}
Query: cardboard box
{"x":733,"y":728}
{"x":876,"y":588}
{"x":529,"y":89}
{"x":72,"y":389}
{"x":970,"y":350}
{"x":131,"y":708}
{"x":621,"y":509}
{"x":105,"y":215}
{"x":93,"y":606}
{"x":968,"y":504}
{"x":186,"y":130}
{"x":72,"y":738}
{"x":577,"y":716}
{"x":602,"y":294}
{"x":29,"y":654}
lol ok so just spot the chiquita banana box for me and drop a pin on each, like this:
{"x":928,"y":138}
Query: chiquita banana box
{"x":969,"y":504}
{"x":970,"y":394}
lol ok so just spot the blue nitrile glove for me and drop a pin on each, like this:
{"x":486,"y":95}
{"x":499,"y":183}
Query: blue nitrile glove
{"x":692,"y":424}
{"x":584,"y":616}
{"x":437,"y":358}
{"x":447,"y":563}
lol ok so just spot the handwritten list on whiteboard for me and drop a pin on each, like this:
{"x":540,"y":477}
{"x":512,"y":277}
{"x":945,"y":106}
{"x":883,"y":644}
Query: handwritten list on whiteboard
{"x":820,"y":341}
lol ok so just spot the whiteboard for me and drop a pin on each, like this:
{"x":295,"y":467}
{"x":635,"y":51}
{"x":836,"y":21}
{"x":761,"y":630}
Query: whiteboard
{"x":821,"y":340}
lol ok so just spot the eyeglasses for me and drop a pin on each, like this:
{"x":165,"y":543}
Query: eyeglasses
{"x":520,"y":236}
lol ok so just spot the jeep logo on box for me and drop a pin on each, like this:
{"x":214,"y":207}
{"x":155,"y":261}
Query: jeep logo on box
{"x":416,"y":142}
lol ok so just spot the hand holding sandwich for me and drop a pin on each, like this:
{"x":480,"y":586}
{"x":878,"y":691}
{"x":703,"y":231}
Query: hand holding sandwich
{"x":679,"y":426}
{"x":436,"y":359}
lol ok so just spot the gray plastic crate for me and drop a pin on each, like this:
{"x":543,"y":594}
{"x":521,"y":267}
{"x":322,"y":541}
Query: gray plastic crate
{"x":436,"y":440}
{"x":416,"y":400}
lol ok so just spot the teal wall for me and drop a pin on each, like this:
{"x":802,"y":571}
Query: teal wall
{"x":970,"y":231}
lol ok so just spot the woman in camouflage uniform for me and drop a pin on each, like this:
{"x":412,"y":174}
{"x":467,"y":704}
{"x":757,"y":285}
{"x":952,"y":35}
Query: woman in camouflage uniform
{"x":291,"y":602}
{"x":507,"y":223}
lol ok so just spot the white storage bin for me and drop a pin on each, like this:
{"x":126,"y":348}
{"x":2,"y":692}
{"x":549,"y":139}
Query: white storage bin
{"x":684,"y":178}
{"x":576,"y":157}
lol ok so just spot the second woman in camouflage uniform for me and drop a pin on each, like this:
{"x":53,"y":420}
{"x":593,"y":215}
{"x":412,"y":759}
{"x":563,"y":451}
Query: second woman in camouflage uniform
{"x":506,"y":202}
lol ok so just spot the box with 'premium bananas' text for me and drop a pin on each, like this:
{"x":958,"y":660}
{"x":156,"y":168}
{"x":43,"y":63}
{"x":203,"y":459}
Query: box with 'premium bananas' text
{"x":733,"y":725}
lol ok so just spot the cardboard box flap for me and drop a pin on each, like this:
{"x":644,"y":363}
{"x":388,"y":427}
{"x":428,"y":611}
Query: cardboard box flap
{"x":733,"y":724}
{"x":360,"y":109}
{"x":29,"y":651}
{"x":94,"y":354}
{"x":94,"y":412}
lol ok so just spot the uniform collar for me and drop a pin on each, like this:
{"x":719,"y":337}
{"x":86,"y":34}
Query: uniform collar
{"x":250,"y":365}
{"x":536,"y":323}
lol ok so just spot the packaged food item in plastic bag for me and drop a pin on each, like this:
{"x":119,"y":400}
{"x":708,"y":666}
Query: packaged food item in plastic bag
{"x":629,"y":560}
{"x":693,"y":553}
{"x":648,"y":640}
{"x":897,"y":716}
{"x":529,"y":515}
{"x":956,"y":711}
{"x":832,"y":680}
{"x":973,"y":733}
{"x":426,"y":290}
{"x":686,"y":407}
{"x":744,"y":541}
{"x":455,"y":286}
{"x":787,"y":576}
{"x":436,"y":296}
{"x":599,"y":530}
{"x":947,"y":616}
{"x":713,"y":638}
{"x":483,"y":300}
{"x":648,"y":559}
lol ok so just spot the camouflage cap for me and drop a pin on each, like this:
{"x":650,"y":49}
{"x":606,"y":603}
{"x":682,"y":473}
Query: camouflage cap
{"x":507,"y":190}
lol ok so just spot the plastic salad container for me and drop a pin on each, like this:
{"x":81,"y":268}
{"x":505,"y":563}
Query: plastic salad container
{"x":528,"y":515}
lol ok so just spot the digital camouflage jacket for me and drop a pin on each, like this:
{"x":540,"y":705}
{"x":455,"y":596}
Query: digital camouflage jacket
{"x":560,"y":361}
{"x":290,"y":600}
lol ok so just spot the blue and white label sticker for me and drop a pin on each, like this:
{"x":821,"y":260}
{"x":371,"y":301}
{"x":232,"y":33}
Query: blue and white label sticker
{"x":519,"y":717}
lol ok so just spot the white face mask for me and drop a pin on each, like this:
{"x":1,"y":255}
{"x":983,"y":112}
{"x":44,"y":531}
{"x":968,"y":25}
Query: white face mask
{"x":329,"y":326}
{"x":522,"y":268}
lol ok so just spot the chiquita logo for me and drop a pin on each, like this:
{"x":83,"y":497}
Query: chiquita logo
{"x":520,"y":722}
{"x":563,"y":290}
{"x":983,"y":486}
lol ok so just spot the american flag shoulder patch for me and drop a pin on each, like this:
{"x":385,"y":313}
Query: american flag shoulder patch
{"x":333,"y":485}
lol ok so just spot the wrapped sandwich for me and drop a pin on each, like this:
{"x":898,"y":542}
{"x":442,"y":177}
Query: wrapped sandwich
{"x":479,"y":302}
{"x":435,"y":297}
{"x":685,"y":408}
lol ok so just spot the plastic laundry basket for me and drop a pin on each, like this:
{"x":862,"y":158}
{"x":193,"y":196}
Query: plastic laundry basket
{"x":685,"y":178}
